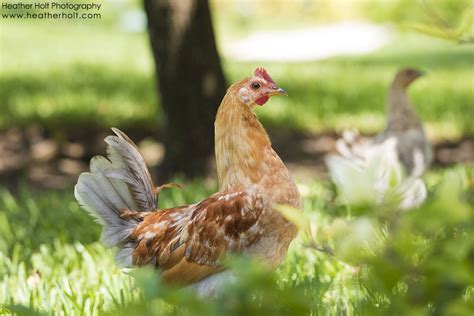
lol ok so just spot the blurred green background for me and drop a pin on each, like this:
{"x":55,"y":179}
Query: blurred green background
{"x":64,"y":74}
{"x":63,"y":81}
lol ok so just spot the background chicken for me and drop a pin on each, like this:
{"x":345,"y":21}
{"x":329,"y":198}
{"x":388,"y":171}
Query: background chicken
{"x":414,"y":149}
{"x":186,"y":242}
{"x":388,"y":167}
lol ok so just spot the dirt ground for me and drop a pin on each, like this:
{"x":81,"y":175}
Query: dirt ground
{"x":54,"y":160}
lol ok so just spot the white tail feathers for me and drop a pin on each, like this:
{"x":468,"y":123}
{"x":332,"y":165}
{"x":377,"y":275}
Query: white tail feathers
{"x":114,"y":185}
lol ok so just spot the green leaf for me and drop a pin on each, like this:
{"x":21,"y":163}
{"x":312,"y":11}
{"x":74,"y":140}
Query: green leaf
{"x":294,"y":215}
{"x":432,"y":30}
{"x":466,"y":25}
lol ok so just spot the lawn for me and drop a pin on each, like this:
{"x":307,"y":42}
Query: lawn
{"x":51,"y":260}
{"x":50,"y":234}
{"x":81,"y":74}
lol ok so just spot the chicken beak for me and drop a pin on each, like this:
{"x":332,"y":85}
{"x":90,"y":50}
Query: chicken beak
{"x":277,"y":91}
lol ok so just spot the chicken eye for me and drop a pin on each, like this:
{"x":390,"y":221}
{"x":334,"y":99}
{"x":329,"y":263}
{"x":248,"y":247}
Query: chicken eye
{"x":255,"y":85}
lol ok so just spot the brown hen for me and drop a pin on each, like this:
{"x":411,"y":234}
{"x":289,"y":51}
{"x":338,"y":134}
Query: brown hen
{"x":187,"y":242}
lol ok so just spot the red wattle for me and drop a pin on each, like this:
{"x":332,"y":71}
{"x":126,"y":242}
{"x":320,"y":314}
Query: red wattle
{"x":261,"y":101}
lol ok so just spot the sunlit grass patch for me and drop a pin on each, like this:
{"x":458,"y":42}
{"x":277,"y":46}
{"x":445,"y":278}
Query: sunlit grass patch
{"x":65,"y":278}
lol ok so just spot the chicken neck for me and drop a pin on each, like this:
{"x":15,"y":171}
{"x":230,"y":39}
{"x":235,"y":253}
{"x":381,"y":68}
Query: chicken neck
{"x":244,"y":155}
{"x":401,"y":115}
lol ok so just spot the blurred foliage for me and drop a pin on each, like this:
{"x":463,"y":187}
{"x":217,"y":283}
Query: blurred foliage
{"x":402,"y":11}
{"x":415,"y":262}
{"x":256,"y":293}
{"x":462,"y":32}
{"x":251,"y":15}
{"x":425,"y":265}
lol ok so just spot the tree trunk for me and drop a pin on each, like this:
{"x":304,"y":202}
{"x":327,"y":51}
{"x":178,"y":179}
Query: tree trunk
{"x":190,"y":81}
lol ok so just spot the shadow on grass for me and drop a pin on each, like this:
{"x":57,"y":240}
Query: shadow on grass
{"x":31,"y":219}
{"x":81,"y":95}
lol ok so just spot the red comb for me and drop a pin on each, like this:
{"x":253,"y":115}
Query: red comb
{"x":261,"y":72}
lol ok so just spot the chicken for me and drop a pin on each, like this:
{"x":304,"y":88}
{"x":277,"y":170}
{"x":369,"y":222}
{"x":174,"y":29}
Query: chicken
{"x":187,"y":242}
{"x":371,"y":174}
{"x":414,"y":149}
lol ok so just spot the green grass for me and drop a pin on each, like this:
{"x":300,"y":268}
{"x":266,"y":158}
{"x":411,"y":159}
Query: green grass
{"x":48,"y":235}
{"x":68,"y":76}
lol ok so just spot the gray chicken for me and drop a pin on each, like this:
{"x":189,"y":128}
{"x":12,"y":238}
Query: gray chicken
{"x":414,"y":149}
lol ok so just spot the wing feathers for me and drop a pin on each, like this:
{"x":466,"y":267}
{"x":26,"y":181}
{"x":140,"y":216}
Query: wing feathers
{"x":187,"y":242}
